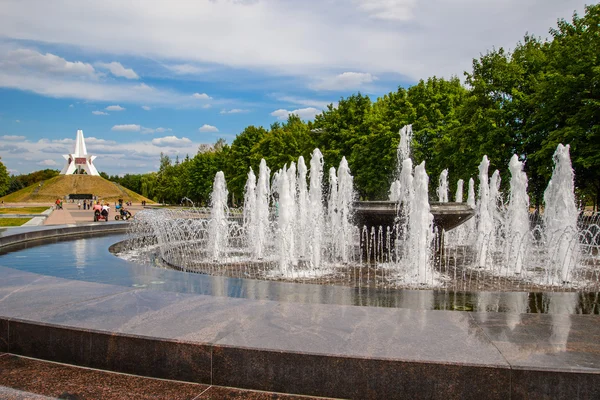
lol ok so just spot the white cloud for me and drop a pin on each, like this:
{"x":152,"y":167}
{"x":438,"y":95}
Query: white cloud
{"x":31,"y":60}
{"x":146,"y":108}
{"x":47,"y":163}
{"x":119,"y":70}
{"x":402,"y":37}
{"x":394,"y":10}
{"x":13,"y":137}
{"x":17,"y":121}
{"x":208,"y":128}
{"x":345,"y":81}
{"x":186,"y":69}
{"x":71,"y":106}
{"x":234,"y":111}
{"x":304,"y":102}
{"x":115,"y":108}
{"x":171,"y":141}
{"x":156,"y":130}
{"x":126,"y":128}
{"x":303,"y":113}
{"x":201,"y":96}
{"x":99,"y":113}
{"x":206,"y":106}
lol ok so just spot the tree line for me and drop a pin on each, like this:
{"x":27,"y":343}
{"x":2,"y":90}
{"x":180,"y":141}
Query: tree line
{"x":524,"y":102}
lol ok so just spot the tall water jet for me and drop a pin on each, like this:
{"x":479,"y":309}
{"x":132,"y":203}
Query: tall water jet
{"x":315,"y":212}
{"x":333,"y":220}
{"x":485,"y":224}
{"x":560,"y":216}
{"x":394,"y":194}
{"x":420,"y":227}
{"x":250,"y":223}
{"x":292,"y":179}
{"x":517,"y":216}
{"x":262,"y":210}
{"x":459,"y":191}
{"x":218,"y":229}
{"x":404,"y":147}
{"x":345,"y":204}
{"x":284,"y":236}
{"x":302,"y":204}
{"x":496,"y":210}
{"x":442,"y":190}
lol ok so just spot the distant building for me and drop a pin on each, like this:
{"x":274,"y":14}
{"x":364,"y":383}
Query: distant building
{"x":79,"y":159}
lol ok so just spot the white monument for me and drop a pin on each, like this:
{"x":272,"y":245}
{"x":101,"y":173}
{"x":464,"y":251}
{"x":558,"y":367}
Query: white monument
{"x":79,"y":159}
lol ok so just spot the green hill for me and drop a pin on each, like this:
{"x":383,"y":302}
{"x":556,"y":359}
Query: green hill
{"x":62,"y":185}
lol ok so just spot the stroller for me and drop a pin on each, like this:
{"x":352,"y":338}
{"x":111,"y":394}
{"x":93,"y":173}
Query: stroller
{"x":100,"y":215}
{"x":122,"y":213}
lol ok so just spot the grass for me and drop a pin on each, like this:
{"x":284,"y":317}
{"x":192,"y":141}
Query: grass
{"x":62,"y":185}
{"x":23,"y":210}
{"x":13,"y":221}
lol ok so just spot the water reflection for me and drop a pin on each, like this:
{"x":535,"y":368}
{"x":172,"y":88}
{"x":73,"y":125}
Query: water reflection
{"x":88,"y":259}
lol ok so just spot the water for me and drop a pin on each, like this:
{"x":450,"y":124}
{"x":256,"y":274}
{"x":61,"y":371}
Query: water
{"x":88,"y":259}
{"x":297,"y":225}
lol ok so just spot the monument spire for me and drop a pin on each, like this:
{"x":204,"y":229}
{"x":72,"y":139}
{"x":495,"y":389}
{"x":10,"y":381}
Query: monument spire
{"x":79,"y":159}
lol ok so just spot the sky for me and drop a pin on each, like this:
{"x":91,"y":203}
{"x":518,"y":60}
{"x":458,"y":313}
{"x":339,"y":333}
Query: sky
{"x":145,"y":77}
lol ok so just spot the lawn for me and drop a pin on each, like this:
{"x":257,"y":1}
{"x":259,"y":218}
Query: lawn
{"x":13,"y":221}
{"x":23,"y":210}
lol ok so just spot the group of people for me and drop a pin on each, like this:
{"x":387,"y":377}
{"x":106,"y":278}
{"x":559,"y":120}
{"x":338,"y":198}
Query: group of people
{"x":87,"y":204}
{"x":101,"y":209}
{"x":59,"y":204}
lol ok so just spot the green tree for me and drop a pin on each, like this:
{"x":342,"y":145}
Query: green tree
{"x":4,"y":179}
{"x":569,"y":98}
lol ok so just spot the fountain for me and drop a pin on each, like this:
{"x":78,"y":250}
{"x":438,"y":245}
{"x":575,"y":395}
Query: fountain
{"x":297,"y":228}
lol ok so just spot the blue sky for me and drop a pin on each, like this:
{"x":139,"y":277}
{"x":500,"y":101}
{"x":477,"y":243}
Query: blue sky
{"x":141,"y":78}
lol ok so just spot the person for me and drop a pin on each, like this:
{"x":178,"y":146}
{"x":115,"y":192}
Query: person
{"x":97,"y":210}
{"x":105,"y":210}
{"x":79,"y":204}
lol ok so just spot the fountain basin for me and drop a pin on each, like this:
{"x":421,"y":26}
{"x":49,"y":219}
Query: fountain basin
{"x":286,"y":345}
{"x":446,"y":216}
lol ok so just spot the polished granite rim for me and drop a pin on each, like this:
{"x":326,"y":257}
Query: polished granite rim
{"x":315,"y":349}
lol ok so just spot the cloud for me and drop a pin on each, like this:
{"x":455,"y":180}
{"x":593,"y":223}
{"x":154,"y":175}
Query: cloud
{"x":27,"y":59}
{"x":53,"y":76}
{"x":17,"y":121}
{"x":115,"y":108}
{"x":13,"y":137}
{"x":99,"y":113}
{"x":201,"y":96}
{"x":186,"y":69}
{"x":208,"y":128}
{"x":304,"y":102}
{"x":303,"y":113}
{"x":47,"y":163}
{"x":409,"y":38}
{"x":117,"y":69}
{"x":12,"y":149}
{"x":95,"y":141}
{"x":146,"y":108}
{"x":393,"y":10}
{"x":234,"y":111}
{"x":56,"y":149}
{"x":171,"y":141}
{"x":345,"y":81}
{"x":126,"y":128}
{"x":156,"y":130}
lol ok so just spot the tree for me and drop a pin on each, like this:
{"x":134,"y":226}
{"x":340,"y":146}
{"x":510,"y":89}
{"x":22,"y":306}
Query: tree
{"x":4,"y":179}
{"x":569,"y":97}
{"x":238,"y":161}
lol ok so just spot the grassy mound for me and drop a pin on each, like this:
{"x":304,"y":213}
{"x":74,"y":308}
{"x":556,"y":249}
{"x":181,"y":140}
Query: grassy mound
{"x":62,"y":185}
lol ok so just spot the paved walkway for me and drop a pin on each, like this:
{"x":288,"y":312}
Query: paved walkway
{"x":71,"y":214}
